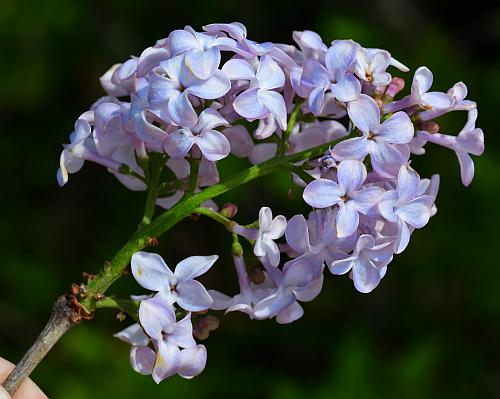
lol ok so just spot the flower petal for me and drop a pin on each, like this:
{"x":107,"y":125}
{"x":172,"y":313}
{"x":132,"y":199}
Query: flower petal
{"x":355,"y":148}
{"x":193,"y":361}
{"x":340,"y":55}
{"x":238,"y":69}
{"x":156,"y":316}
{"x":214,"y":87}
{"x":203,"y":63}
{"x":364,"y":113}
{"x":142,"y":359}
{"x":398,"y":129}
{"x":297,"y":234}
{"x":247,"y":104}
{"x":194,"y":266}
{"x":322,"y":193}
{"x":347,"y":220}
{"x":178,"y":143}
{"x":351,"y":174}
{"x":193,"y":296}
{"x":168,"y":361}
{"x":275,"y":103}
{"x":213,"y":144}
{"x":150,"y":271}
{"x":269,"y":74}
{"x":182,"y":334}
{"x":365,"y":275}
{"x":181,"y":110}
{"x":133,"y":335}
{"x":346,"y":89}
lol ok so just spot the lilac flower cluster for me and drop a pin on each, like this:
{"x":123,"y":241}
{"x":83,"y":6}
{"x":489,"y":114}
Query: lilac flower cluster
{"x":195,"y":96}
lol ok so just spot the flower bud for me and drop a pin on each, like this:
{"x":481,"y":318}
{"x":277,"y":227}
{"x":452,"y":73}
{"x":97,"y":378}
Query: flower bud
{"x":396,"y":85}
{"x":229,"y":210}
{"x":429,"y":126}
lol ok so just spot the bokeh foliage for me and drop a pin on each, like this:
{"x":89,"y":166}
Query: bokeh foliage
{"x":430,"y":330}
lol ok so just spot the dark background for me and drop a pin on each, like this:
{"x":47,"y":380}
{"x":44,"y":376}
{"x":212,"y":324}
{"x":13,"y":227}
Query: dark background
{"x":431,"y":329}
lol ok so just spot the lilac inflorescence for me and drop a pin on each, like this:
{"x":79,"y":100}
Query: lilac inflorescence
{"x":206,"y":95}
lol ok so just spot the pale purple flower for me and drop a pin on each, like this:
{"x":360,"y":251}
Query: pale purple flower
{"x":80,"y":149}
{"x":316,"y":239}
{"x":202,"y":50}
{"x":213,"y":144}
{"x":371,"y":66}
{"x":367,"y":263}
{"x":386,"y":142}
{"x":420,"y":94}
{"x":333,"y":76}
{"x":470,"y":140}
{"x":458,"y":93}
{"x":269,"y":230}
{"x":348,"y":194}
{"x":250,"y":294}
{"x":157,"y":317}
{"x":152,"y":273}
{"x":405,"y":206}
{"x":259,"y":100}
{"x":173,"y":82}
{"x":240,"y":140}
{"x":300,"y":281}
{"x":113,"y":142}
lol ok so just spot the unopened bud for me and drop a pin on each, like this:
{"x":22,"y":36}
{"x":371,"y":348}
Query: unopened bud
{"x":229,"y":210}
{"x":396,"y":85}
{"x":257,"y":275}
{"x":429,"y":126}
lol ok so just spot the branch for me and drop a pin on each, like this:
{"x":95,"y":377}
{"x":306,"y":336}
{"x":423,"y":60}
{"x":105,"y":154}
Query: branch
{"x":68,"y":312}
{"x":64,"y":316}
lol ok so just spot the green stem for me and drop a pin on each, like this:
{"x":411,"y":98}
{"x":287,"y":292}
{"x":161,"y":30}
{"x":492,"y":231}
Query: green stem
{"x":291,"y":124}
{"x":193,"y":176}
{"x":142,"y":238}
{"x":154,"y":166}
{"x":215,"y":216}
{"x":301,"y":173}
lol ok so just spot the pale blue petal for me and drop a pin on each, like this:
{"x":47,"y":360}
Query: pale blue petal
{"x":238,"y":69}
{"x":214,"y":87}
{"x":203,"y":63}
{"x":346,"y":89}
{"x":269,"y":74}
{"x":340,"y":55}
{"x":156,"y":316}
{"x":193,"y":361}
{"x":213,"y":145}
{"x":181,"y":110}
{"x":355,"y":148}
{"x":275,"y":103}
{"x":322,"y":193}
{"x":347,"y":220}
{"x":247,"y":104}
{"x":351,"y":174}
{"x":365,"y":275}
{"x":168,"y":361}
{"x":364,"y":113}
{"x":150,"y":271}
{"x":398,"y":129}
{"x":142,"y":359}
{"x":193,"y":296}
{"x":178,"y":143}
{"x":194,"y":266}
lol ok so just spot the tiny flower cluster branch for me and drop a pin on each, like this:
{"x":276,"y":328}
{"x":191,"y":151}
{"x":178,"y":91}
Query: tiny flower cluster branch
{"x":332,"y":116}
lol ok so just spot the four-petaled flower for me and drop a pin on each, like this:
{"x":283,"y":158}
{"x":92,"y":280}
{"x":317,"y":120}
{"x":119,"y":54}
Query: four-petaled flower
{"x":151,"y":272}
{"x":269,"y":230}
{"x":348,"y":194}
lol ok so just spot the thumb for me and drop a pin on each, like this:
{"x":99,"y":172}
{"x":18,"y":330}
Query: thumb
{"x":4,"y":394}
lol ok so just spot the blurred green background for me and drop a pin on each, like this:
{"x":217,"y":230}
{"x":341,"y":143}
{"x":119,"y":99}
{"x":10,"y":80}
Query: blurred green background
{"x":431,"y":329}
